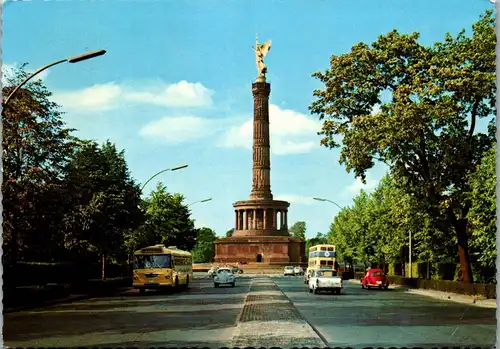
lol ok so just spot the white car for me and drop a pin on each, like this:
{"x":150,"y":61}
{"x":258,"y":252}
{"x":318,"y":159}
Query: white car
{"x":289,"y":270}
{"x":325,"y":280}
{"x":298,"y":270}
{"x":224,"y":276}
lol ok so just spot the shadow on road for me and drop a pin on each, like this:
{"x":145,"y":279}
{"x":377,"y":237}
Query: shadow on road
{"x":201,"y":307}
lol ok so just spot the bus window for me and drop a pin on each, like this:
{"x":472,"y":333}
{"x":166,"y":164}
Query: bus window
{"x":330,"y":262}
{"x":152,"y":261}
{"x":323,"y":248}
{"x":323,"y":262}
{"x":330,"y":248}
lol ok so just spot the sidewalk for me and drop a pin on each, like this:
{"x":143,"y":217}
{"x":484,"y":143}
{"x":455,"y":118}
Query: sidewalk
{"x":453,"y":297}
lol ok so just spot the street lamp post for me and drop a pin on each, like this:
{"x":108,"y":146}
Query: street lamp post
{"x":162,"y":171}
{"x":330,"y":201}
{"x":74,"y":59}
{"x":200,"y":201}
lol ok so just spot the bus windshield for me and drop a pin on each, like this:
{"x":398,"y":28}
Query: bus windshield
{"x":152,"y":261}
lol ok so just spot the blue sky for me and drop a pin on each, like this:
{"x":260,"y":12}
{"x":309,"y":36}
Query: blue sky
{"x":175,"y":86}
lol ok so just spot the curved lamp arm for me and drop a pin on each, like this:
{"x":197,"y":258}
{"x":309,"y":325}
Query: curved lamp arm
{"x":160,"y":172}
{"x":200,"y":201}
{"x":327,"y":200}
{"x":74,"y":59}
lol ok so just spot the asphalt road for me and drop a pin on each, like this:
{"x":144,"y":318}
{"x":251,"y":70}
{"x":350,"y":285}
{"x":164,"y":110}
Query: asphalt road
{"x":206,"y":316}
{"x":383,"y":318}
{"x":200,"y":316}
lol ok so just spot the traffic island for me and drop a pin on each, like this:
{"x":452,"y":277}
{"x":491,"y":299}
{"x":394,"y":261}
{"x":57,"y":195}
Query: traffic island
{"x":269,"y":319}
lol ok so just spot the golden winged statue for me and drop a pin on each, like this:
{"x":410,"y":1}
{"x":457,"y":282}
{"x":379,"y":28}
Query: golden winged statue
{"x":260,"y":52}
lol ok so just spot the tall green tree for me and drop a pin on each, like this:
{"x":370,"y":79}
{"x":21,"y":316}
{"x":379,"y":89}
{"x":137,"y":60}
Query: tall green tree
{"x":426,"y":132}
{"x":482,"y":215}
{"x":204,"y":250}
{"x":167,"y":221}
{"x":36,"y":150}
{"x":106,"y":201}
{"x":298,"y":230}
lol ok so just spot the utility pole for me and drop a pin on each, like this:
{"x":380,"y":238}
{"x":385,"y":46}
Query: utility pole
{"x":409,"y":257}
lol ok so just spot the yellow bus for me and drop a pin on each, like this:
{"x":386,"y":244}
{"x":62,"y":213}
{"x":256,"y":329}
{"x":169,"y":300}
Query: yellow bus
{"x":162,"y":267}
{"x":323,"y":256}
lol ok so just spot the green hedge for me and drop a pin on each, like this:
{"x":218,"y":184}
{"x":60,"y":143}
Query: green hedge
{"x":27,"y":273}
{"x":484,"y":290}
{"x":36,"y":295}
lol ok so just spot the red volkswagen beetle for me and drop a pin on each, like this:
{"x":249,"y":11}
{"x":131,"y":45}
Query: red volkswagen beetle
{"x":375,"y":278}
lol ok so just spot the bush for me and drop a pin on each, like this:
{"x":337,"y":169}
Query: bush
{"x":28,"y":273}
{"x":346,"y":275}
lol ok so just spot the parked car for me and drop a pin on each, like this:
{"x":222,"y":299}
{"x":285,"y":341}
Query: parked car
{"x":298,"y":270}
{"x":237,"y":270}
{"x":212,"y":272}
{"x":289,"y":270}
{"x":375,"y":278}
{"x":224,"y":276}
{"x":325,"y":280}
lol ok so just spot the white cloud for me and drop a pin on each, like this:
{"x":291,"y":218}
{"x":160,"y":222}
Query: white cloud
{"x":100,"y":97}
{"x":112,"y":95}
{"x":357,"y":185}
{"x":181,"y":94}
{"x":291,"y":132}
{"x":7,"y":70}
{"x":177,"y":129}
{"x":295,"y":199}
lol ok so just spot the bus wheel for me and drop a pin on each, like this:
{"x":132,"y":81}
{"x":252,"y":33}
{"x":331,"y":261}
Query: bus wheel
{"x":187,"y":282}
{"x":142,"y":291}
{"x":176,"y":285}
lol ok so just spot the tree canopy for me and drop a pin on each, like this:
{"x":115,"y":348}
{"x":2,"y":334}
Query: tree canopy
{"x":416,"y":109}
{"x":298,"y":230}
{"x":72,"y":200}
{"x":204,"y":250}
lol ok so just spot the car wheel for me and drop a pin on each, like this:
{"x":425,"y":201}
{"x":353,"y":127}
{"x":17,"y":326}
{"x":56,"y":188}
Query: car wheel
{"x":386,"y":287}
{"x":142,"y":291}
{"x":310,"y":290}
{"x":362,"y":286}
{"x":216,"y":285}
{"x":368,"y":287}
{"x":232,"y":284}
{"x":338,"y":291}
{"x":315,"y":290}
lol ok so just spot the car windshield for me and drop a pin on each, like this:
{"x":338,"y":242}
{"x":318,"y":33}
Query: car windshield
{"x":327,"y":273}
{"x":152,"y":261}
{"x":223,"y":271}
{"x":377,"y":273}
{"x":288,"y":268}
